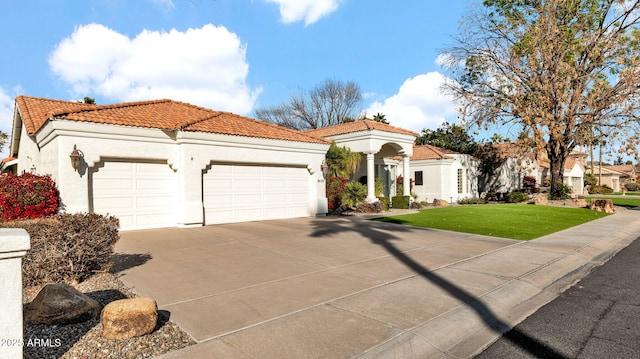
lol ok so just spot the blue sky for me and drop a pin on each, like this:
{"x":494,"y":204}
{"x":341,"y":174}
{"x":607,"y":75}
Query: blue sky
{"x":231,"y":55}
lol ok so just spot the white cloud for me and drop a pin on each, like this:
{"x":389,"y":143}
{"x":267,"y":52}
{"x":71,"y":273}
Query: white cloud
{"x":6,"y":117}
{"x":205,"y":66}
{"x":419,"y":104}
{"x":308,"y":10}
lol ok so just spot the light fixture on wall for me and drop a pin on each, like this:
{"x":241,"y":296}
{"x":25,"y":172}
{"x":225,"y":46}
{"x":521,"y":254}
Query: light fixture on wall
{"x":325,"y":169}
{"x":75,"y":157}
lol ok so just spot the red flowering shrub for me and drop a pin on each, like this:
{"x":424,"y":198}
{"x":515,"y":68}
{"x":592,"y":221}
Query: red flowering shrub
{"x":27,"y":196}
{"x":335,"y":187}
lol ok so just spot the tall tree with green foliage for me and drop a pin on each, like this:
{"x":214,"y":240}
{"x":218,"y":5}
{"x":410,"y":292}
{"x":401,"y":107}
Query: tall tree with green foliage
{"x":554,"y":69}
{"x":450,"y":136}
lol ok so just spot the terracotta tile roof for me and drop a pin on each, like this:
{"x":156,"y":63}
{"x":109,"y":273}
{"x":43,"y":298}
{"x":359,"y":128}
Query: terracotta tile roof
{"x":626,"y":169}
{"x":429,"y":152}
{"x":357,"y":126}
{"x":569,"y":163}
{"x":161,"y":114}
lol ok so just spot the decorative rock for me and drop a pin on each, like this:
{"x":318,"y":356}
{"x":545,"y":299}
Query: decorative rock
{"x":541,"y":199}
{"x":440,"y":203}
{"x":579,"y":202}
{"x":602,"y":205}
{"x":128,"y":318}
{"x":61,"y":304}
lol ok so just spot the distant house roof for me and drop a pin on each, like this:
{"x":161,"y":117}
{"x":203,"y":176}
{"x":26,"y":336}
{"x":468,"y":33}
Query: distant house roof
{"x":160,"y":114}
{"x":627,"y":169}
{"x":357,"y":126}
{"x":429,"y":152}
{"x":569,"y":163}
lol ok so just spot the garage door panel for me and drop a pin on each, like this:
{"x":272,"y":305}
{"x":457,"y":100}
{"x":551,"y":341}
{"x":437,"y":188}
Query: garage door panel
{"x":255,"y":193}
{"x":140,"y":194}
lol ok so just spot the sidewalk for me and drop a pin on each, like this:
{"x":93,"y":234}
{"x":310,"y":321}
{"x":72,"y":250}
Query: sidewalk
{"x":450,"y":311}
{"x":596,"y":318}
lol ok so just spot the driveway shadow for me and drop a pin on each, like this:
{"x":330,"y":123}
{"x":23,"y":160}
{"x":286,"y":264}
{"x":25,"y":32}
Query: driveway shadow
{"x":123,"y":261}
{"x":381,"y":234}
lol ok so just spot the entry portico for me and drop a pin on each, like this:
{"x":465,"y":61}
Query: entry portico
{"x":377,"y":141}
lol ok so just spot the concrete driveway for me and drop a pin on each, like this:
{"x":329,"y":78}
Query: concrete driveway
{"x":344,"y":287}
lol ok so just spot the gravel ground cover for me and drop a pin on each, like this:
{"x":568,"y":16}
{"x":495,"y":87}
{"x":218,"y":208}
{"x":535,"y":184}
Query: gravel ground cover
{"x":85,"y":341}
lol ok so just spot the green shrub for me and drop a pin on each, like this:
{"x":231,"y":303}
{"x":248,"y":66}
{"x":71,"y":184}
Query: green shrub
{"x":472,"y":201}
{"x":354,"y":194}
{"x":400,"y":202}
{"x":378,"y":187}
{"x":66,"y":247}
{"x":370,"y":207}
{"x":517,"y":197}
{"x":386,"y":202}
{"x":632,"y":186}
{"x":604,"y":189}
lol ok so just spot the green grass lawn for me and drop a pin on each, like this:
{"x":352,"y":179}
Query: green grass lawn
{"x":515,"y":221}
{"x":620,"y":201}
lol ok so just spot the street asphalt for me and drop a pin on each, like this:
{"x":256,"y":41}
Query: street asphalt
{"x":599,"y":317}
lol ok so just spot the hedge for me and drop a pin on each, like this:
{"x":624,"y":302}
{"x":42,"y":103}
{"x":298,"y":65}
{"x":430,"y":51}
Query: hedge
{"x":400,"y":202}
{"x":67,"y":247}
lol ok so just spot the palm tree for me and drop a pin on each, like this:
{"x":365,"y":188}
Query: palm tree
{"x":341,"y":161}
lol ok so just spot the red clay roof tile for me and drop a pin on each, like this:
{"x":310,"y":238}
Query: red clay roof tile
{"x":429,"y":152}
{"x":357,"y":126}
{"x":161,"y":114}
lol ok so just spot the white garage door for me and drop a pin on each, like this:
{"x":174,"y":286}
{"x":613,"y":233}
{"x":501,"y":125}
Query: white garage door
{"x":240,"y":193}
{"x":140,"y":194}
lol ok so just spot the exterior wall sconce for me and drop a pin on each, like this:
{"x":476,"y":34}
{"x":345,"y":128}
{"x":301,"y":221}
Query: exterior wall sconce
{"x":75,"y":157}
{"x":325,"y":169}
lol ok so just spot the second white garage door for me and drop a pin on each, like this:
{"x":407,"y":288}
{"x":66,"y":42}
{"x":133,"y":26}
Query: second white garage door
{"x":240,"y":193}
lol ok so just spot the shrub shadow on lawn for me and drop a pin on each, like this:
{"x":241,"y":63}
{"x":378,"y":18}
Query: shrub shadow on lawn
{"x":381,"y":234}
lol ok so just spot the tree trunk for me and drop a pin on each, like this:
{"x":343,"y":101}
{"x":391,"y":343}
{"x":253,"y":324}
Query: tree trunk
{"x":557,"y":156}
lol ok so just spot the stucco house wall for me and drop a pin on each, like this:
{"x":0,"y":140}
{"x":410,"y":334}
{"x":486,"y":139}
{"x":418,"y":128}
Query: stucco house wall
{"x":187,"y":155}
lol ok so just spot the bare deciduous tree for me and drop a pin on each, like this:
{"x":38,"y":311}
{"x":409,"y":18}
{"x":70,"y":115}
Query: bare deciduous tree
{"x":563,"y":71}
{"x":330,"y":103}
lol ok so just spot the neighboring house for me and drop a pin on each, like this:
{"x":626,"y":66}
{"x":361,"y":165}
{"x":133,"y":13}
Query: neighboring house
{"x":518,"y":164}
{"x":608,"y":176}
{"x":386,"y":151}
{"x":573,"y":175}
{"x":627,"y":173}
{"x":165,"y":163}
{"x":438,"y":173}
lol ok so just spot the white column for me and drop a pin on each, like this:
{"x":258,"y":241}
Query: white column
{"x":371,"y":178}
{"x":14,"y":244}
{"x":406,"y":177}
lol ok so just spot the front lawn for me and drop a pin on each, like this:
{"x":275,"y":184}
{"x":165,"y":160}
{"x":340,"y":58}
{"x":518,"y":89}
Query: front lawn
{"x":515,"y":221}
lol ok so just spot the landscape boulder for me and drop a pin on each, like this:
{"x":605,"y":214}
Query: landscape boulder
{"x":541,"y":199}
{"x":602,"y":205}
{"x":440,"y":203}
{"x":59,"y":304}
{"x":579,"y":202}
{"x":128,"y":318}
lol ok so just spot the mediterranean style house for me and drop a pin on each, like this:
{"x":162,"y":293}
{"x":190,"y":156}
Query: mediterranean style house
{"x":166,"y":163}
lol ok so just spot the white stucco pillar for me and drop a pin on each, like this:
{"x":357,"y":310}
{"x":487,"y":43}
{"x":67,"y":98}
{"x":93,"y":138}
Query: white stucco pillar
{"x":406,"y":177}
{"x":14,"y":244}
{"x":371,"y":178}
